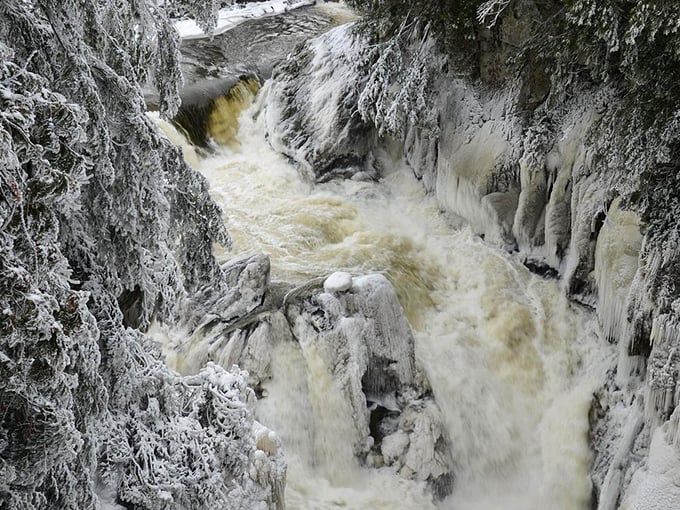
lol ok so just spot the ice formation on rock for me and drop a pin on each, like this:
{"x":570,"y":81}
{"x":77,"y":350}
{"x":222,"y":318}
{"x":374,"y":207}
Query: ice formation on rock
{"x":364,"y":340}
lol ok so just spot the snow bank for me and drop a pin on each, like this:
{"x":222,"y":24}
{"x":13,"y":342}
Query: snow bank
{"x":234,"y":15}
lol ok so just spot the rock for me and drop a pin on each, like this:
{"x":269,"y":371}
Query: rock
{"x":359,"y":330}
{"x":250,"y":347}
{"x":240,"y":292}
{"x":310,"y":113}
{"x":394,"y":447}
{"x":338,"y":282}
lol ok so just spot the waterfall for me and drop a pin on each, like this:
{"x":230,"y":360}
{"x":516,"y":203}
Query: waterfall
{"x":511,"y":362}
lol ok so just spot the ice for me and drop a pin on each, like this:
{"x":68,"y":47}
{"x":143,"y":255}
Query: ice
{"x":657,"y":486}
{"x":305,"y":110}
{"x":475,"y":138}
{"x":663,"y":366}
{"x":616,"y":263}
{"x":362,"y":341}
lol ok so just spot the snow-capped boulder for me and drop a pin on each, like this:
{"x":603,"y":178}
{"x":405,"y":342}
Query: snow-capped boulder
{"x":339,"y":281}
{"x":367,"y":344}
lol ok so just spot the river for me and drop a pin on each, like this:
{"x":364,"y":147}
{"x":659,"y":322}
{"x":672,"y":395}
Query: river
{"x":512,"y":363}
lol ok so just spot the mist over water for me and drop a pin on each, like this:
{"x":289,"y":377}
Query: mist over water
{"x":511,"y":362}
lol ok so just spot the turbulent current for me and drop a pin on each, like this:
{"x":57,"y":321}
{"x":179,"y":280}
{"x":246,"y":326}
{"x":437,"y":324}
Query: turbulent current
{"x":511,"y":362}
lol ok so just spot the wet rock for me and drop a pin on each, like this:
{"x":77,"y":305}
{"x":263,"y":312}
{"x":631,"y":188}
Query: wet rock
{"x":367,"y":345}
{"x":541,"y":268}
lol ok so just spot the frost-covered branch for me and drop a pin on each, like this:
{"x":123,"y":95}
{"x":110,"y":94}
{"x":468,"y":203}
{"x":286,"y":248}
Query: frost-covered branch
{"x":397,"y":92}
{"x":490,"y":12}
{"x":104,"y":226}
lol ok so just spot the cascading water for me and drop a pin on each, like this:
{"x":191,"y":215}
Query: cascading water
{"x":511,"y":362}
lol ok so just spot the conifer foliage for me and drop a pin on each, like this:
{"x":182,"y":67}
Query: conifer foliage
{"x":95,"y":206}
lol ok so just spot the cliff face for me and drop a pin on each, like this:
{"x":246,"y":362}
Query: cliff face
{"x":533,"y":170}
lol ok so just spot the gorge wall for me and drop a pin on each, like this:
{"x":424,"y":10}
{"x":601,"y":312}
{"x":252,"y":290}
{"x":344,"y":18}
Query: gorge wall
{"x":526,"y":166}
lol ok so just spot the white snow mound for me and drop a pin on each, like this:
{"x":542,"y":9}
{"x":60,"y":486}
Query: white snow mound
{"x":338,"y":282}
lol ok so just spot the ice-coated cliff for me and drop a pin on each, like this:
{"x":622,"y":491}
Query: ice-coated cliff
{"x":530,"y":176}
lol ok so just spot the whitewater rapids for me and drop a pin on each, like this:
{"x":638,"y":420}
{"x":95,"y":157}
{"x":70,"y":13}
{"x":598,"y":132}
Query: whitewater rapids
{"x":512,"y":363}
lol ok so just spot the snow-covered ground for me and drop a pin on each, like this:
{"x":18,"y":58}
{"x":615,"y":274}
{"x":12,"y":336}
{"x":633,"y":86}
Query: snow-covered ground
{"x":234,"y":15}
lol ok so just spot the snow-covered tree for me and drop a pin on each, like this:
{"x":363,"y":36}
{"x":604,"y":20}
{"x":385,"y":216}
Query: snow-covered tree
{"x":99,"y":216}
{"x":453,"y":20}
{"x":397,"y":92}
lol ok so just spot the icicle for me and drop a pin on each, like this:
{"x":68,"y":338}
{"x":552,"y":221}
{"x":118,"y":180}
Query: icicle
{"x":616,"y":263}
{"x":663,"y":369}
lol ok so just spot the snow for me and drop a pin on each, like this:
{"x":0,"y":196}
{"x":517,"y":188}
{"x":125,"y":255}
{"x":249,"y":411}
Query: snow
{"x":234,"y":15}
{"x":304,"y":114}
{"x":656,"y":487}
{"x":339,"y":281}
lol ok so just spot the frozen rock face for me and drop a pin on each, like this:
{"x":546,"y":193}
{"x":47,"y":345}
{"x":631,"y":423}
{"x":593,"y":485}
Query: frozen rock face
{"x":524,"y":174}
{"x":314,"y":119}
{"x":268,"y":467}
{"x":239,"y":294}
{"x":359,"y":330}
{"x":348,"y":336}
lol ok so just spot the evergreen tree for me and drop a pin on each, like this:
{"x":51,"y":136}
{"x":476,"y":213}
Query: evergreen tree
{"x":96,"y":209}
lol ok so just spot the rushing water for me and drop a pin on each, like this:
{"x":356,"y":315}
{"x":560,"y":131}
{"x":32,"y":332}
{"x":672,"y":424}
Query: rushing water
{"x":512,"y":363}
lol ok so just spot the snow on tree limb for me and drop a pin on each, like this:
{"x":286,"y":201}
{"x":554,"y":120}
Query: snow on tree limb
{"x":96,"y":205}
{"x":490,"y":12}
